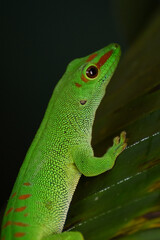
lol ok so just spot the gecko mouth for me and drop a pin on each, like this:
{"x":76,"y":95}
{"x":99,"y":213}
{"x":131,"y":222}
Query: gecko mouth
{"x":108,"y":76}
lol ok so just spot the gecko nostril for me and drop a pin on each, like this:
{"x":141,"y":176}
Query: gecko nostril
{"x":116,"y":45}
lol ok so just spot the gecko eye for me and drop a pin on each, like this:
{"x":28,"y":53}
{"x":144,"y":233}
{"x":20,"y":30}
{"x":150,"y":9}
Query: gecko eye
{"x":92,"y":72}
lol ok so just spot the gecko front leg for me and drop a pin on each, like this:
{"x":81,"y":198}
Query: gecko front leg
{"x":89,"y":165}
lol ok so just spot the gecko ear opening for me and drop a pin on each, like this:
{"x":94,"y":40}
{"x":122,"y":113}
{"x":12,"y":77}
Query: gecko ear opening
{"x":82,"y":102}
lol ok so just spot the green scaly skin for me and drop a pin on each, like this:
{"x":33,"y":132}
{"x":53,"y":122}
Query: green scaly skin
{"x":61,"y":151}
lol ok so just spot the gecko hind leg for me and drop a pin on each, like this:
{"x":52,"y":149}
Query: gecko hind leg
{"x":65,"y":236}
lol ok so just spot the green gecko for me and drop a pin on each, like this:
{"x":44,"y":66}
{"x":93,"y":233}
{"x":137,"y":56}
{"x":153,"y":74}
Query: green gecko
{"x":61,"y":151}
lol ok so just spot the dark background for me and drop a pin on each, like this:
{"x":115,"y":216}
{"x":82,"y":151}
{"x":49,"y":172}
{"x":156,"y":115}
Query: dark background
{"x":38,"y":40}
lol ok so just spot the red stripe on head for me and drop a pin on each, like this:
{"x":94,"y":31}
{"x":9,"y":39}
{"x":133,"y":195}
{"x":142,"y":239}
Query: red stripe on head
{"x":84,"y":79}
{"x":22,"y":197}
{"x":104,"y":58}
{"x":78,"y":85}
{"x":91,"y":57}
{"x":19,"y":234}
{"x":20,"y":209}
{"x":9,"y":210}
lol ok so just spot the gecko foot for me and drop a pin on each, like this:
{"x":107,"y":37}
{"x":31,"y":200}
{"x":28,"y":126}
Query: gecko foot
{"x":119,"y":143}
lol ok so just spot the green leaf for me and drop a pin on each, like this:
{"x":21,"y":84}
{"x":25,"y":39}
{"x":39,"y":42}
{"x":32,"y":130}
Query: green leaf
{"x":124,"y":203}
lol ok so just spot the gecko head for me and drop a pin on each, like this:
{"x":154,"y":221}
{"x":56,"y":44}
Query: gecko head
{"x":89,"y":76}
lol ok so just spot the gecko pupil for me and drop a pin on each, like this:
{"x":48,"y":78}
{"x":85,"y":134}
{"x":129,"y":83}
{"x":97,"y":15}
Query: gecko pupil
{"x":92,"y":72}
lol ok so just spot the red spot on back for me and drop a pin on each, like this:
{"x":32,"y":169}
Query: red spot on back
{"x":19,"y":234}
{"x":14,"y":194}
{"x":91,"y":57}
{"x":104,"y":58}
{"x":26,"y":184}
{"x":3,"y":238}
{"x":78,"y":85}
{"x":20,"y":209}
{"x":20,"y":224}
{"x":26,"y":214}
{"x":9,"y":210}
{"x":84,"y":79}
{"x":7,"y":224}
{"x":25,"y":196}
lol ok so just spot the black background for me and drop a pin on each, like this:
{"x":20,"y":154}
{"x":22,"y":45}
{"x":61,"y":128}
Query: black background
{"x":38,"y":40}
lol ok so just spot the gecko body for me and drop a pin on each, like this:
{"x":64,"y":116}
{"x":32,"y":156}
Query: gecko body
{"x":61,"y":151}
